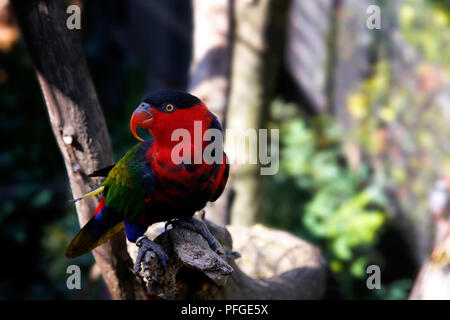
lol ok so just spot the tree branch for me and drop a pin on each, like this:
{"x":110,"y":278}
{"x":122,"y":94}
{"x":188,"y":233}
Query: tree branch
{"x":77,"y":122}
{"x":283,"y":266}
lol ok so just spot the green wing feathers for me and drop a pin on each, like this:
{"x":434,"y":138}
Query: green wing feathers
{"x":127,"y":186}
{"x":129,"y":183}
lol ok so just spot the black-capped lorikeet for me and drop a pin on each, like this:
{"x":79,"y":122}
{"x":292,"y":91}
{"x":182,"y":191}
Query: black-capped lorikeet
{"x":148,"y":185}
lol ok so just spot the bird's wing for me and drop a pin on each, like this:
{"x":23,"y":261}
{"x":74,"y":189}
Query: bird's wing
{"x":131,"y":182}
{"x":221,"y":179}
{"x":102,"y":226}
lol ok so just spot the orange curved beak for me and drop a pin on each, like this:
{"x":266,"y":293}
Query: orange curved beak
{"x":142,"y":118}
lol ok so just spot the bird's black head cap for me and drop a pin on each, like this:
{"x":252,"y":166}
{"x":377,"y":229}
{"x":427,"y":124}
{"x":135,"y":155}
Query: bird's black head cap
{"x":179,"y":98}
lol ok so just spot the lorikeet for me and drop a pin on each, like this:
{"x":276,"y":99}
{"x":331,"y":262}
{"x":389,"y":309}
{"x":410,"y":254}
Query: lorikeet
{"x":147,"y":186}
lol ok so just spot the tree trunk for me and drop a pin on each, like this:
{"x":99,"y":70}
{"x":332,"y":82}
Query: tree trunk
{"x":210,"y":73}
{"x":77,"y":121}
{"x":257,"y":42}
{"x":210,"y":68}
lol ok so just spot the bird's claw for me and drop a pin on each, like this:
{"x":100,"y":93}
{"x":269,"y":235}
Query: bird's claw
{"x":168,"y":223}
{"x":145,"y":244}
{"x":197,"y":226}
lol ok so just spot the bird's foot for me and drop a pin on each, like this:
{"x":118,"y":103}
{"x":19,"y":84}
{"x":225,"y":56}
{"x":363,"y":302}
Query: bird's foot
{"x":145,"y":244}
{"x":197,"y":226}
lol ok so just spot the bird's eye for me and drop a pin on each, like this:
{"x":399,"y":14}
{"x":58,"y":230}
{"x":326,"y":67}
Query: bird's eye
{"x":169,"y":107}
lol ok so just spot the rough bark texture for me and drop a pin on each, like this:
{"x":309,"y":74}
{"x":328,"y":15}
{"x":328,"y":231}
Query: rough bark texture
{"x":274,"y":265}
{"x":210,"y":73}
{"x":433,"y":280}
{"x":210,"y":68}
{"x":255,"y":62}
{"x":77,"y":121}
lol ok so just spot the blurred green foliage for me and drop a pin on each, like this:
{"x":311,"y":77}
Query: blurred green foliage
{"x":425,"y":24}
{"x":398,"y":116}
{"x":327,"y":202}
{"x":332,"y":181}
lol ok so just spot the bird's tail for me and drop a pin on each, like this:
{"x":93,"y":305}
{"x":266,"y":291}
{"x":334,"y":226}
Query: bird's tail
{"x":102,"y":226}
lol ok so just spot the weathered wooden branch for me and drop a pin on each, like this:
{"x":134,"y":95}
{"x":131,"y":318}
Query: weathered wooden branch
{"x":274,"y":265}
{"x":210,"y":74}
{"x":77,"y":121}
